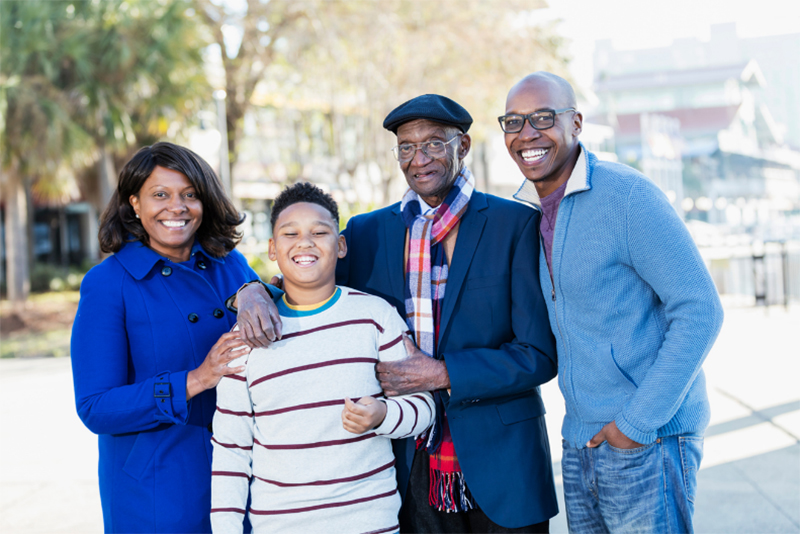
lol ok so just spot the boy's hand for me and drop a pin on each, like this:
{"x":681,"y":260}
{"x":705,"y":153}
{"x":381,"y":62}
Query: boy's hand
{"x":366,"y":414}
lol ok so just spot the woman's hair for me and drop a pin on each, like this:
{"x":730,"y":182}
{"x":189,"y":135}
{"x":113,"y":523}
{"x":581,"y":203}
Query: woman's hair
{"x":217,"y":233}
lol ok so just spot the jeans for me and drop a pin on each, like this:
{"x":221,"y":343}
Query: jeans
{"x":649,"y":489}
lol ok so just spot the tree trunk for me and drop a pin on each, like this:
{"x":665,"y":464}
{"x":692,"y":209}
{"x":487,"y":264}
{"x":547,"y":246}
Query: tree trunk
{"x":18,"y":280}
{"x":107,"y":177}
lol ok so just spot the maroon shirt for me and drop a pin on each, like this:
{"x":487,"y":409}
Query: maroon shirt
{"x":548,"y":225}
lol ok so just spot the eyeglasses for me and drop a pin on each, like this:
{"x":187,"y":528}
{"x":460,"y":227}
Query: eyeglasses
{"x":539,"y":120}
{"x":432,"y":149}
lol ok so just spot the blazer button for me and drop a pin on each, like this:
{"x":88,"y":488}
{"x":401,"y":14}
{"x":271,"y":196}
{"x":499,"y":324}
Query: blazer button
{"x":193,"y":318}
{"x":166,"y":271}
{"x":201,"y":265}
{"x":219,"y":314}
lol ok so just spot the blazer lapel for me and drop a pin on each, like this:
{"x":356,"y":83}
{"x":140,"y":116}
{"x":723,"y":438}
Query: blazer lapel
{"x":469,"y":234}
{"x":395,"y":248}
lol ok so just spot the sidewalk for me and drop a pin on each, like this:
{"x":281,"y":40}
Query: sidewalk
{"x":749,"y":481}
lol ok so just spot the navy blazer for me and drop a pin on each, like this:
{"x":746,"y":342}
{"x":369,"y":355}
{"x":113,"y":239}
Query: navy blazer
{"x":142,"y":324}
{"x":496,"y":340}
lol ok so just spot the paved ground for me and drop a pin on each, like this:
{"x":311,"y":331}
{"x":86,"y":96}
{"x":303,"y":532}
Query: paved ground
{"x":749,"y":481}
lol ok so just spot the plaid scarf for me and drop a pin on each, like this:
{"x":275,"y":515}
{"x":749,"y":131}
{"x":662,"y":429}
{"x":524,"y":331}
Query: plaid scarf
{"x":426,"y":280}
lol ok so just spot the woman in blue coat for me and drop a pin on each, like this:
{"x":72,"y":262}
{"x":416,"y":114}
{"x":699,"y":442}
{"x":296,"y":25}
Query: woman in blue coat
{"x":151,"y":339}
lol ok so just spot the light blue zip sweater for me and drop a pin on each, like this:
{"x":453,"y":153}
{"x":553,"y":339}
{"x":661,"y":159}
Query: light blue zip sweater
{"x":632,"y":306}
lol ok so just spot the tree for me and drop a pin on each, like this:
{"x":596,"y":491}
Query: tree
{"x":41,"y":143}
{"x":357,"y":60}
{"x":82,"y":81}
{"x":249,"y":41}
{"x":141,"y":72}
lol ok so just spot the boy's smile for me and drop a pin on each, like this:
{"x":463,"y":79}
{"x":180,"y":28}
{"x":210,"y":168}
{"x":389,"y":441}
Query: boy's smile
{"x":306,"y":244}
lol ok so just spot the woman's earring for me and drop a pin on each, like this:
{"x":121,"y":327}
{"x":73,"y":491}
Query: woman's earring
{"x":137,"y":215}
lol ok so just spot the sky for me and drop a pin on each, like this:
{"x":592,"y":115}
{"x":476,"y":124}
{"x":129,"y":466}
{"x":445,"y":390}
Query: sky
{"x":637,"y":24}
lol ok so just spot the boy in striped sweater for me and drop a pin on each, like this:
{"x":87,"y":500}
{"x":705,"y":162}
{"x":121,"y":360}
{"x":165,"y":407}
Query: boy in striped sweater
{"x":304,"y":428}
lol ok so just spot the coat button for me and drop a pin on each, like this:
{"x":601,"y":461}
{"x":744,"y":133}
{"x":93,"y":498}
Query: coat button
{"x":166,"y":271}
{"x":201,"y":264}
{"x":219,"y":314}
{"x":193,"y":318}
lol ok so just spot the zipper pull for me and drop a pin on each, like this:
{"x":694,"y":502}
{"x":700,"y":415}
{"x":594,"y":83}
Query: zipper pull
{"x":554,"y":294}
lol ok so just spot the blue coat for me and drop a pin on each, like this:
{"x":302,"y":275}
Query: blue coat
{"x":496,"y":341}
{"x":142,"y":323}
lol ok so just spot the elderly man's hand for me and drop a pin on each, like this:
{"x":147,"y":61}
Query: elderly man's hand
{"x":259,"y":321}
{"x":416,"y":373}
{"x":614,"y":437}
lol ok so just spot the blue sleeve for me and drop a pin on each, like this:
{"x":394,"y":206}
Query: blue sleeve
{"x":664,"y":255}
{"x":529,"y":359}
{"x":106,"y":401}
{"x":343,"y":265}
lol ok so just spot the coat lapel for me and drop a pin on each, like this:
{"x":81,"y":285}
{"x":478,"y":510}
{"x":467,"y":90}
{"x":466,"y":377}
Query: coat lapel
{"x":395,"y":247}
{"x":469,"y":234}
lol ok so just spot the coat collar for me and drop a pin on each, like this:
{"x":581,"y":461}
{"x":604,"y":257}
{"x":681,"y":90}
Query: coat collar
{"x":139,"y":260}
{"x":579,"y":180}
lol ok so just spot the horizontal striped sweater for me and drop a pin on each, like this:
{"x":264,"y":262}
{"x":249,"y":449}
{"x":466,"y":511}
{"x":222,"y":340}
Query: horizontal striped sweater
{"x":278,"y":434}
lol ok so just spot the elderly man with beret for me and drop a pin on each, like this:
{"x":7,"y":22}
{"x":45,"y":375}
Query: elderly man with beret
{"x":462,"y":267}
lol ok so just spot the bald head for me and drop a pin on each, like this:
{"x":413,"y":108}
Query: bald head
{"x":557,"y":86}
{"x":545,"y":151}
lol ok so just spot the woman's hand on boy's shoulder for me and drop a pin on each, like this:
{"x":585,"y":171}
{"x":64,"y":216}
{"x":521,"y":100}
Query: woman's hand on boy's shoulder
{"x":366,"y":414}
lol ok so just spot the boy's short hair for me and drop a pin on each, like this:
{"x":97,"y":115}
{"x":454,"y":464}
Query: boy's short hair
{"x":303,"y":192}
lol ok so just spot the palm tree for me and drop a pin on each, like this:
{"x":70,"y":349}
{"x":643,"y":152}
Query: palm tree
{"x":80,"y":83}
{"x":41,"y":143}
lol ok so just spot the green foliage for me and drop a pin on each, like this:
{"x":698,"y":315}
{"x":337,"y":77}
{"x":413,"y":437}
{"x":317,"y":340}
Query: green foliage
{"x":82,"y":74}
{"x":263,"y":266}
{"x":47,"y":277}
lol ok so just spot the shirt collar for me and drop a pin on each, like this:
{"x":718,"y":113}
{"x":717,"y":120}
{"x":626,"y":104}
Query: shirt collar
{"x":425,"y":208}
{"x":139,"y":260}
{"x":577,"y":181}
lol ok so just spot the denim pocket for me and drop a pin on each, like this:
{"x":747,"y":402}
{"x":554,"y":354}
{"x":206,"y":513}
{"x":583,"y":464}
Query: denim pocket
{"x":691,"y":455}
{"x":636,"y":450}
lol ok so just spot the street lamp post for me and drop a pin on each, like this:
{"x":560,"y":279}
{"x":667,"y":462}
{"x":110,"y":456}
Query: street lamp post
{"x":222,"y":126}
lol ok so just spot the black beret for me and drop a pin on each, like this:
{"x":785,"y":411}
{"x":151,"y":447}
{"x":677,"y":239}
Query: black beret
{"x":435,"y":108}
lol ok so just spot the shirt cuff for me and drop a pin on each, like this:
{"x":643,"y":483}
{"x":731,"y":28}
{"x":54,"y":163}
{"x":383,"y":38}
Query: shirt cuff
{"x":169,"y":394}
{"x":634,"y":433}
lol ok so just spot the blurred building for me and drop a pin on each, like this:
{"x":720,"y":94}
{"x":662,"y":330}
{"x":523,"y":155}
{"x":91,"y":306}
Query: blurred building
{"x":709,"y":113}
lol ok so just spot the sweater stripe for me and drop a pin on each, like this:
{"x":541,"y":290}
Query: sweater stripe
{"x":331,"y":443}
{"x":400,"y":419}
{"x":333,"y":325}
{"x":323,"y":506}
{"x":231,"y":412}
{"x":381,"y":531}
{"x":229,"y":474}
{"x":235,"y":377}
{"x":312,"y":366}
{"x":425,"y":402}
{"x":232,"y":445}
{"x":327,"y":482}
{"x":235,"y":510}
{"x":416,"y":416}
{"x":392,"y":343}
{"x":310,"y":406}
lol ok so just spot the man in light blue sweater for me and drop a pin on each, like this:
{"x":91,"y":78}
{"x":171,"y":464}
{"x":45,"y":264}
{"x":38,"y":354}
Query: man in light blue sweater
{"x":634,"y":312}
